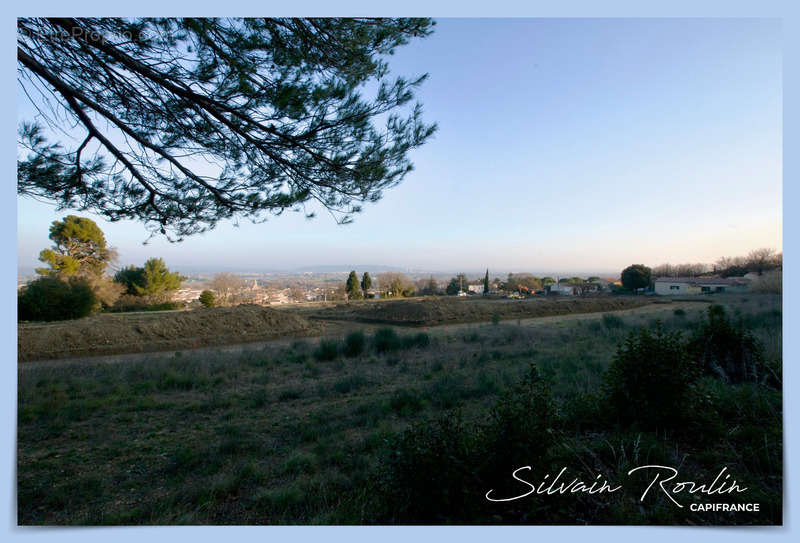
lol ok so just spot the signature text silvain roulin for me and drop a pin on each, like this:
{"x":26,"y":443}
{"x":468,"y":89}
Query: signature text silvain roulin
{"x":662,"y":479}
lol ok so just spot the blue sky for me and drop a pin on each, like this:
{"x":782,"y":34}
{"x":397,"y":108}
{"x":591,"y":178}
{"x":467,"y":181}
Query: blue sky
{"x":564,"y":145}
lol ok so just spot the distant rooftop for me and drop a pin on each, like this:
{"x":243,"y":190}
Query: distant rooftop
{"x":700,"y":281}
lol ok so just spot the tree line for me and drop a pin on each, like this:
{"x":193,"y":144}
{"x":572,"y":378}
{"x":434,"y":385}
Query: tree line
{"x":757,"y":261}
{"x":75,"y":281}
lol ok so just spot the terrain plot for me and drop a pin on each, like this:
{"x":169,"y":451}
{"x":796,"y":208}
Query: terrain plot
{"x":162,"y":331}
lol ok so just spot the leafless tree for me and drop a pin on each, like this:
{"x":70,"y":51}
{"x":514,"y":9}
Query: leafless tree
{"x":226,"y":285}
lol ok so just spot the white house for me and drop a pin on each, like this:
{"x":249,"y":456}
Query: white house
{"x":677,"y":286}
{"x":561,"y":289}
{"x":477,"y":289}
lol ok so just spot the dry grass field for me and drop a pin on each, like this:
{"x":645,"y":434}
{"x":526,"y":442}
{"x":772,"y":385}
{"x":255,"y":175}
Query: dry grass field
{"x":303,"y":432}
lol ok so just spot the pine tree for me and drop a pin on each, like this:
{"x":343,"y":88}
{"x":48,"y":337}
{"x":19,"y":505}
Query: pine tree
{"x":352,"y":287}
{"x":486,"y":282}
{"x":207,"y":298}
{"x":279,"y":108}
{"x":158,"y":281}
{"x":366,"y":283}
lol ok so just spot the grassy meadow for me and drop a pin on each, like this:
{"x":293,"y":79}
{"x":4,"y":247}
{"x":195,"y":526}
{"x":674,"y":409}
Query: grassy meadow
{"x":356,"y":429}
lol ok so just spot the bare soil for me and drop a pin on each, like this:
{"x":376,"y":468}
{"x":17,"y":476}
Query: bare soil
{"x":144,"y":332}
{"x":111,"y":334}
{"x":438,"y":311}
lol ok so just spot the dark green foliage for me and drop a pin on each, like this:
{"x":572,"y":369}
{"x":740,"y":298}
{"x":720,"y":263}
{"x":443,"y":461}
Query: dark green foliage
{"x":130,"y":277}
{"x":80,"y":249}
{"x":386,"y":340}
{"x":207,"y":298}
{"x":518,"y":431}
{"x":585,"y":411}
{"x":138,"y":303}
{"x":352,"y":288}
{"x":496,"y":319}
{"x":366,"y":283}
{"x":612,"y":321}
{"x":428,"y":477}
{"x":727,"y":351}
{"x":635,"y":277}
{"x":51,"y":299}
{"x":327,"y":350}
{"x":734,"y":271}
{"x":486,"y":282}
{"x":278,"y":107}
{"x":406,"y":402}
{"x":349,"y":384}
{"x":679,"y":312}
{"x":354,"y":343}
{"x":158,"y":281}
{"x":438,"y":472}
{"x":420,"y":340}
{"x":456,"y":284}
{"x":650,"y":381}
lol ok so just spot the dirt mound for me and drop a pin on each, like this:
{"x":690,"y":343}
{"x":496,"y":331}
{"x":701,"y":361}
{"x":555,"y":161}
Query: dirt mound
{"x":140,"y":332}
{"x":430,"y":312}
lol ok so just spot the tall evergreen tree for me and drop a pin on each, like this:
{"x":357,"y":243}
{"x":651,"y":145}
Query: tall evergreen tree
{"x":79,"y":249}
{"x":366,"y":283}
{"x":352,"y":288}
{"x":158,"y":281}
{"x":486,"y":282}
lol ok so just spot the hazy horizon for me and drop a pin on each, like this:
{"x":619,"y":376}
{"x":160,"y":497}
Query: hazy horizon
{"x":568,"y":145}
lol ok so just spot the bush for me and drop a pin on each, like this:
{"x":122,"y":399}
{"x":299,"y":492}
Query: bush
{"x":51,"y":299}
{"x":519,"y":429}
{"x":679,"y":312}
{"x":354,"y":343}
{"x":349,"y":384}
{"x":406,"y":402}
{"x":438,"y":472}
{"x":327,"y":350}
{"x":128,"y":302}
{"x":428,"y":477}
{"x":207,"y":298}
{"x":650,"y":381}
{"x":727,"y":351}
{"x":386,"y":340}
{"x":613,"y":321}
{"x":420,"y":340}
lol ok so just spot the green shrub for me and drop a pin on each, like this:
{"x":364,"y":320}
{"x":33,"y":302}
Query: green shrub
{"x":650,"y":381}
{"x":727,"y":351}
{"x":519,"y":431}
{"x":438,"y":472}
{"x":495,"y":319}
{"x":611,"y":321}
{"x":51,"y":299}
{"x":354,"y":343}
{"x":584,"y":412}
{"x":386,"y":340}
{"x":326,"y":350}
{"x":349,"y":384}
{"x":679,"y":312}
{"x":406,"y":402}
{"x":207,"y":298}
{"x":420,"y":340}
{"x":128,"y":302}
